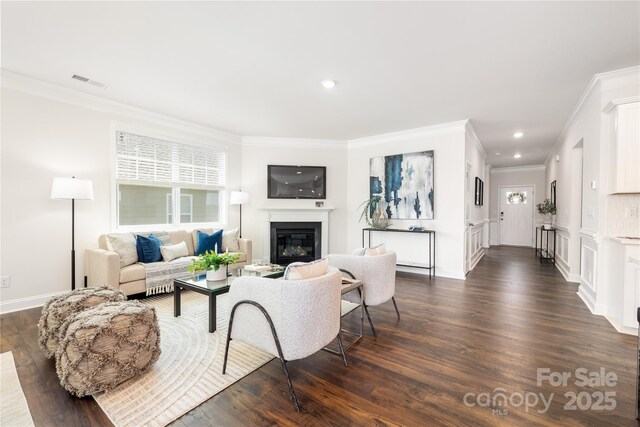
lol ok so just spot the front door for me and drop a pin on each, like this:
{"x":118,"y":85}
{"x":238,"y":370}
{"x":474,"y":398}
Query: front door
{"x":516,"y":216}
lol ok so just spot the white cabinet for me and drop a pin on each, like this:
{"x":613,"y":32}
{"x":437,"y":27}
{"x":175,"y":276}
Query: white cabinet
{"x":623,"y":284}
{"x":625,"y":149}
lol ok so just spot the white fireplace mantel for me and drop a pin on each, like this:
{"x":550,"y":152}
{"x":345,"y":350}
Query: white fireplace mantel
{"x":320,"y":215}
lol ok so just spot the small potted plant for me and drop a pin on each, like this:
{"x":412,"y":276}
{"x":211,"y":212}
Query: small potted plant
{"x":211,"y":262}
{"x":546,"y":209}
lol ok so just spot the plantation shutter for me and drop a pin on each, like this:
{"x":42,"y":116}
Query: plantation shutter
{"x":153,"y":160}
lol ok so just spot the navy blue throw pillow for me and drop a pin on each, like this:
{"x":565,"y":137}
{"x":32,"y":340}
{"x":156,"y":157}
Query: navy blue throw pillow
{"x":208,"y":242}
{"x":148,"y":248}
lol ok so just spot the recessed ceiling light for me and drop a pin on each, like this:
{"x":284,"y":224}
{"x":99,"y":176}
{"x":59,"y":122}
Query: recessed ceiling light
{"x":328,"y":84}
{"x":497,"y":154}
{"x":517,"y":156}
{"x":299,"y":172}
{"x":518,"y":135}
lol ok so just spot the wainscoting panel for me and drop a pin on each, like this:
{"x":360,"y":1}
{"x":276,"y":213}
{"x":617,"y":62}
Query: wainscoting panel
{"x":588,"y":267}
{"x":476,"y":245}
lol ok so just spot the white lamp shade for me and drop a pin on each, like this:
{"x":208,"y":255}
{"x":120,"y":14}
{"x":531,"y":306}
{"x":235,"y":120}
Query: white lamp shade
{"x":72,"y":188}
{"x":239,"y":198}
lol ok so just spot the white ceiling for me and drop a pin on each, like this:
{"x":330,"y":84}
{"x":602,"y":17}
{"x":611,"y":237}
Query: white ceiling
{"x":255,"y":68}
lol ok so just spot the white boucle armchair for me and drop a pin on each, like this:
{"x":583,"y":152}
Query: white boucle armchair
{"x":378,"y":276}
{"x":290,"y":319}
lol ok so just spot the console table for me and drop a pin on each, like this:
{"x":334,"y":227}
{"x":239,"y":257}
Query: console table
{"x":432,"y":245}
{"x":545,"y":254}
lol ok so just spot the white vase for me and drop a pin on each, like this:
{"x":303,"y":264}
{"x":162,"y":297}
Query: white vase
{"x":221,"y":274}
{"x":546,"y":222}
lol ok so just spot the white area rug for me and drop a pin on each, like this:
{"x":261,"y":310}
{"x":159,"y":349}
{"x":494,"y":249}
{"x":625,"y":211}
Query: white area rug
{"x":14,"y":410}
{"x":189,"y":370}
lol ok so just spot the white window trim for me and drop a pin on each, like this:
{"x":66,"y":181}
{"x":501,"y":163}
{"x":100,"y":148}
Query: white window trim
{"x":171,"y":136}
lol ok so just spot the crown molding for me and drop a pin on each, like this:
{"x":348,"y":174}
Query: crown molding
{"x":599,"y":82}
{"x":31,"y":86}
{"x":371,"y":141}
{"x":518,"y":168}
{"x":620,"y":101}
{"x":471,"y":133}
{"x":274,"y":142}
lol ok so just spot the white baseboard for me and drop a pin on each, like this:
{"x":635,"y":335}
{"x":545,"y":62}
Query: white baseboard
{"x":587,"y":299}
{"x":451,"y":274}
{"x":25,"y":303}
{"x":622,"y":329}
{"x":597,"y":309}
{"x":575,"y":278}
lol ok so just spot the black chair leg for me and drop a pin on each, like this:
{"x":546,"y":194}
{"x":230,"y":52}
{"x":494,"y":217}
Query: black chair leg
{"x":396,"y":306}
{"x":292,"y":391}
{"x":373,"y":329}
{"x":344,"y":356}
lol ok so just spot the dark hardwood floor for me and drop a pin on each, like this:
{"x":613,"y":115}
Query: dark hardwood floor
{"x":510,"y":317}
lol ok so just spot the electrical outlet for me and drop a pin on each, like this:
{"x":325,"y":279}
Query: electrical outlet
{"x":631,"y":212}
{"x":5,"y":281}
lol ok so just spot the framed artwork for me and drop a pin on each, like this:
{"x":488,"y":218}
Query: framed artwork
{"x":553,"y":193}
{"x":403,"y":185}
{"x":479,"y":192}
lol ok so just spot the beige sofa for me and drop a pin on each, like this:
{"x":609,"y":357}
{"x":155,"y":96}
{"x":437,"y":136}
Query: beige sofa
{"x":102,"y":266}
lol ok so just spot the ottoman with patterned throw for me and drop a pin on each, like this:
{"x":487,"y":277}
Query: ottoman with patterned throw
{"x":106,"y":345}
{"x":56,"y":311}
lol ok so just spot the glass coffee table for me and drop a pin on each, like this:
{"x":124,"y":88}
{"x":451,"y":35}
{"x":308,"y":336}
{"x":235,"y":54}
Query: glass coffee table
{"x":212,"y":288}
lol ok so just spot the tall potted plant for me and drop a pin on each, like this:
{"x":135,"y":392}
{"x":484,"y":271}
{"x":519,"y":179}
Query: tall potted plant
{"x":211,"y":262}
{"x":546,"y":209}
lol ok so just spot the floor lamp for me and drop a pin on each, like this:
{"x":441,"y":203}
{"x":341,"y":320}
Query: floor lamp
{"x":74,"y":189}
{"x":239,"y":198}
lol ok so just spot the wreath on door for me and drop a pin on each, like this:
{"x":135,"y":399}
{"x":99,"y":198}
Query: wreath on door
{"x":516,"y":198}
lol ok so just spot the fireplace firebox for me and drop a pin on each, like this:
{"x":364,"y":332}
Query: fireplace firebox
{"x":295,"y":242}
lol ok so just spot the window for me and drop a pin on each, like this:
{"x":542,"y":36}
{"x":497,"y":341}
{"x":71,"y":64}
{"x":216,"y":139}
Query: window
{"x":167,"y":183}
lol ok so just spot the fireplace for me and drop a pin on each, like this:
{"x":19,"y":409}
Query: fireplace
{"x":295,"y":242}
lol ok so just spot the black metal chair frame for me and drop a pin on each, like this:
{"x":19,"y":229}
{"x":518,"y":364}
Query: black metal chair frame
{"x":292,"y":391}
{"x":366,"y":307}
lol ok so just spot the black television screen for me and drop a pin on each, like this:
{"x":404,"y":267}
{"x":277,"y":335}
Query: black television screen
{"x":296,"y":182}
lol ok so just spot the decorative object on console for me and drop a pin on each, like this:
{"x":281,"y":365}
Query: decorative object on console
{"x":74,"y":189}
{"x":239,"y":198}
{"x":373,"y":214}
{"x":296,"y":182}
{"x":416,"y":228}
{"x":546,"y":209}
{"x":404,"y":184}
{"x":211,"y":262}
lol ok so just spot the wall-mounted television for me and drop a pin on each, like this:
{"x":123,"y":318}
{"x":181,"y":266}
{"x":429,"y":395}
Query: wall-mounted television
{"x":296,"y":182}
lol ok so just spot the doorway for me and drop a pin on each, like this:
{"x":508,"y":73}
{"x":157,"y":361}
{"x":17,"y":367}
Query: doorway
{"x":516,"y":215}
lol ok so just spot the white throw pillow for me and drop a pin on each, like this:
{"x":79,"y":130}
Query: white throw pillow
{"x":230,"y":240}
{"x":171,"y":252}
{"x":376,"y":250}
{"x":359,"y":251}
{"x":306,"y":270}
{"x":124,"y":244}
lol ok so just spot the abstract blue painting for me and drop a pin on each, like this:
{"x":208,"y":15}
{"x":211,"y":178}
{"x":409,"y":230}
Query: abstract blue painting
{"x":403,"y":185}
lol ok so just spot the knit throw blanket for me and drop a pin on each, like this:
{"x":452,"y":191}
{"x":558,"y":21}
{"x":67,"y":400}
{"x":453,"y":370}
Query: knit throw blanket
{"x":160,"y":275}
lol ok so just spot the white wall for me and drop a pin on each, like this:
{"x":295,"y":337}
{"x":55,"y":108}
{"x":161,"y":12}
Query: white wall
{"x":583,"y":222}
{"x":448,"y":143}
{"x":257,"y":153}
{"x":514,"y":176}
{"x":64,"y":133}
{"x":476,"y":234}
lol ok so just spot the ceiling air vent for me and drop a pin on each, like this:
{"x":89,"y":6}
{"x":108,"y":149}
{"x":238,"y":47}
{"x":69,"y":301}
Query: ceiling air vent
{"x":86,"y":80}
